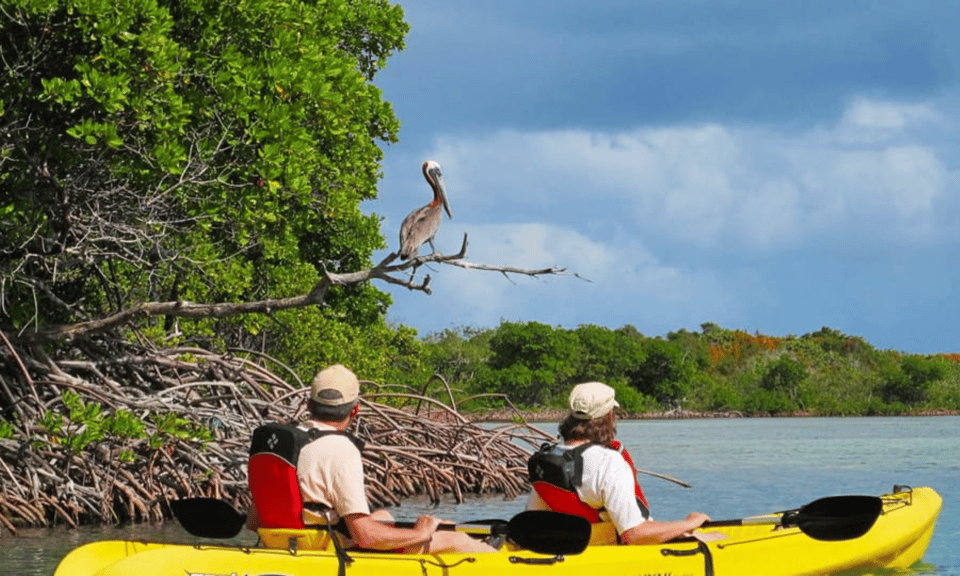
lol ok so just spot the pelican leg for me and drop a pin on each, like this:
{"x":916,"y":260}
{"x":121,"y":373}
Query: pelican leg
{"x":413,"y":271}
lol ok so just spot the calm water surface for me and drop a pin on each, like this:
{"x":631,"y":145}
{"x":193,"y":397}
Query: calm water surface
{"x":738,"y":467}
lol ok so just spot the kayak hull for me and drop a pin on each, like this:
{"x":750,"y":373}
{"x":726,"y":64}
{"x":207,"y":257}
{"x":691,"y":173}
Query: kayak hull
{"x":898,"y":539}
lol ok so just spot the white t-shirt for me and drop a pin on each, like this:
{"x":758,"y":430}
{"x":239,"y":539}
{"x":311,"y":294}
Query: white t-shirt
{"x":608,"y":483}
{"x":330,"y":473}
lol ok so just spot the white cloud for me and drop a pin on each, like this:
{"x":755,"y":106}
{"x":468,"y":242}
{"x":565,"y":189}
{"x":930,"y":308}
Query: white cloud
{"x":869,"y":114}
{"x":895,"y":185}
{"x":712,"y":185}
{"x":620,"y":282}
{"x":771,"y":216}
{"x":526,"y":246}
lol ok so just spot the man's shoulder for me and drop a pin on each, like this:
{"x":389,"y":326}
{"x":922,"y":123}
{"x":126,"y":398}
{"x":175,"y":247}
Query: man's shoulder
{"x":329,"y":438}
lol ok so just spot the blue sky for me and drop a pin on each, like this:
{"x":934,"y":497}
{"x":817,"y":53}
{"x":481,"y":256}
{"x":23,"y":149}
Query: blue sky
{"x":772,"y":167}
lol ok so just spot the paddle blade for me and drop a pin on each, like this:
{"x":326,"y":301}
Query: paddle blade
{"x":829,"y":519}
{"x":547,"y":532}
{"x":836,"y":517}
{"x":208,"y":517}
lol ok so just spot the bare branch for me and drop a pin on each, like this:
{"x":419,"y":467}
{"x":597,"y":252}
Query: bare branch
{"x":386,"y":271}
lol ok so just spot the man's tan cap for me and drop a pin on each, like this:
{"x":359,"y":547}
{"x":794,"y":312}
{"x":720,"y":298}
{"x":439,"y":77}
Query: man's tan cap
{"x":335,"y":386}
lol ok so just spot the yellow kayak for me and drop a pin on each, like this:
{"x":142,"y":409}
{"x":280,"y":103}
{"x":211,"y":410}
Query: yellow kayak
{"x":810,"y":540}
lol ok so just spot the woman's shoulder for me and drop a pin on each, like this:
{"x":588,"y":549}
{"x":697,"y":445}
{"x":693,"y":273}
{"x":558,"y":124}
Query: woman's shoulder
{"x":599,"y":452}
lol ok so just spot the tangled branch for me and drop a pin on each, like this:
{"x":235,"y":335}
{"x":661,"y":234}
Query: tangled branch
{"x":187,"y":418}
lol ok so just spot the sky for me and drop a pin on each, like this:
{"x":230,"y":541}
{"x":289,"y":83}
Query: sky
{"x":774,"y":167}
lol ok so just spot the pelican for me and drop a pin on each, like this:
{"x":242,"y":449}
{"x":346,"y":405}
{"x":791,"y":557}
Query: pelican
{"x":420,"y":225}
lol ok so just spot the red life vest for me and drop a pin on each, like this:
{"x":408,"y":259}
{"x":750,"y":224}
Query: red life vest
{"x":556,"y":474}
{"x":272,"y":472}
{"x":641,"y":498}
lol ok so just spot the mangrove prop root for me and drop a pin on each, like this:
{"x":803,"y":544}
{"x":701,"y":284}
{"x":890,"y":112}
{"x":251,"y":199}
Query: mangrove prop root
{"x":111,"y":440}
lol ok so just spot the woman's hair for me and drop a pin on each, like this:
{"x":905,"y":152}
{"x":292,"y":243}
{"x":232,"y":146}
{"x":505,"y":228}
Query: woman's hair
{"x":326,"y":413}
{"x":601,"y":430}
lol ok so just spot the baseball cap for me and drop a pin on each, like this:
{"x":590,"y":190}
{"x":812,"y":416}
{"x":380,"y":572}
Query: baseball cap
{"x":592,"y":400}
{"x":335,"y":386}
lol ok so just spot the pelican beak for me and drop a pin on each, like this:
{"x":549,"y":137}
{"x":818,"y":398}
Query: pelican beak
{"x":443,"y":195}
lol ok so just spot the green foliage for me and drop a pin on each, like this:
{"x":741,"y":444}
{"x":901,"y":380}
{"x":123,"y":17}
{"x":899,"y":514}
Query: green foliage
{"x":171,"y":428}
{"x":664,"y":373}
{"x":607,"y":354}
{"x":308,"y":340}
{"x":79,"y":425}
{"x":784,"y":374}
{"x":695,"y":347}
{"x":523,"y":385}
{"x":714,"y":395}
{"x":945,"y":394}
{"x":531,"y":362}
{"x":124,"y":426}
{"x":457,"y":355}
{"x":194,"y":150}
{"x":631,"y":401}
{"x":923,"y":370}
{"x":830,"y":340}
{"x":824,"y":373}
{"x":908,"y":382}
{"x":6,"y":429}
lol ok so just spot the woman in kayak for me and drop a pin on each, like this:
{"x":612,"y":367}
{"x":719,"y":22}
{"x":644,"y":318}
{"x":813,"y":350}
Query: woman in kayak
{"x":591,"y":475}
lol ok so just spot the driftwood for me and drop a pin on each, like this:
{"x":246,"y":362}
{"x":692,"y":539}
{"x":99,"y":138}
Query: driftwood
{"x":60,"y":464}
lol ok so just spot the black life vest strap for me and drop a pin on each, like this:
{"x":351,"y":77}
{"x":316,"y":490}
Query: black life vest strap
{"x":563,"y":469}
{"x":287,"y":440}
{"x":316,"y":433}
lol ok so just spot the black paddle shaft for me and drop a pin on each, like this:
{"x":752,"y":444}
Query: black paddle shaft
{"x":829,"y":519}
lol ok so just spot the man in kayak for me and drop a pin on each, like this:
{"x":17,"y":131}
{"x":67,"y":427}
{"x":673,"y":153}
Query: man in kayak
{"x":329,"y":472}
{"x":589,"y":474}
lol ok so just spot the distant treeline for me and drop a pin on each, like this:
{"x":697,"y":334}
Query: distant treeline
{"x":824,"y":373}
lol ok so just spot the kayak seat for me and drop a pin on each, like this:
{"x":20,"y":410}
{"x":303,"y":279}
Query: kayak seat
{"x":294,"y":539}
{"x":565,"y":501}
{"x":603,"y":534}
{"x":275,"y":491}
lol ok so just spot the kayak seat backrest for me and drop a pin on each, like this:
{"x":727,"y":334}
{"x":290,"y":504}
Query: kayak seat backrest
{"x":272,"y":474}
{"x":275,"y":491}
{"x":565,"y":501}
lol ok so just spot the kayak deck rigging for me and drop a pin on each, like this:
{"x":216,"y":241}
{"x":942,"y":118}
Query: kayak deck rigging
{"x":897,"y":538}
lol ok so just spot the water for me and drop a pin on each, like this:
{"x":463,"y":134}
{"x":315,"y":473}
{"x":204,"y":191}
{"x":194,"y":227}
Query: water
{"x":738,"y":467}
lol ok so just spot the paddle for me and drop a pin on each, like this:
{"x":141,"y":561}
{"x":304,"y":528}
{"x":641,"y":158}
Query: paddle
{"x":829,"y":519}
{"x":208,"y":517}
{"x":541,"y":531}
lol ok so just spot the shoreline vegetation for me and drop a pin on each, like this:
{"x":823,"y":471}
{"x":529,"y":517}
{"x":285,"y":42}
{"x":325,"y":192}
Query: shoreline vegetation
{"x":115,"y":440}
{"x":555,"y":415}
{"x":714,"y":372}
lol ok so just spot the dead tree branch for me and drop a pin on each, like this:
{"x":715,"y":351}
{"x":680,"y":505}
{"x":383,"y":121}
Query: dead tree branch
{"x":385,"y":271}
